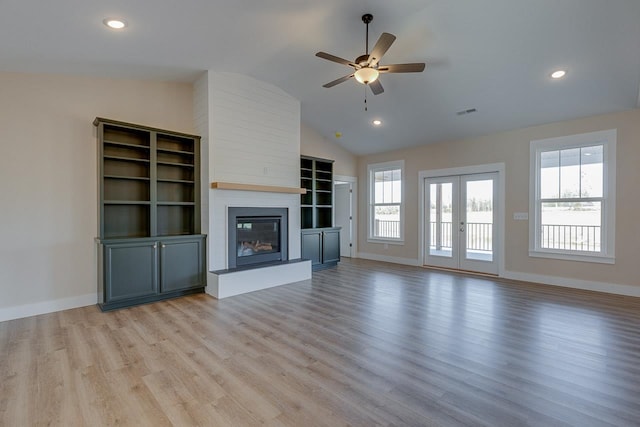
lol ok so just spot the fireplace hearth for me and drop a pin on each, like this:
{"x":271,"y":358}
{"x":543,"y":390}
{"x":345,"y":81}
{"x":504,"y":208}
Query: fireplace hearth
{"x":257,"y":236}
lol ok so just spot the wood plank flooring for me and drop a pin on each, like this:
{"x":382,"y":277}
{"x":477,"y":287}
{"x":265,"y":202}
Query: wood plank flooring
{"x":364,"y":344}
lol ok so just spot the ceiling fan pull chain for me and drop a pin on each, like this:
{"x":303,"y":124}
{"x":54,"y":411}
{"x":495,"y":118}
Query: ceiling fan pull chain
{"x":365,"y":98}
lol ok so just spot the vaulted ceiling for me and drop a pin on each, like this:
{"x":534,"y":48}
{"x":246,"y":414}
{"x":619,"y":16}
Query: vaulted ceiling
{"x":494,"y":56}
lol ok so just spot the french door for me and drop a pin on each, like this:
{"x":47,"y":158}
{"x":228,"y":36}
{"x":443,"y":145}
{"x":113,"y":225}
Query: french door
{"x":461,"y":216}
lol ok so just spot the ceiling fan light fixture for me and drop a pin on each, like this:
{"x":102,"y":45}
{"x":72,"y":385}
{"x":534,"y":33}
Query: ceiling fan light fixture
{"x":366,"y":75}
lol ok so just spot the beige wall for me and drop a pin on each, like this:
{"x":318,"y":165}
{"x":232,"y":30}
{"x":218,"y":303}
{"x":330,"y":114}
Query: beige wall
{"x":48,"y":176}
{"x":512,"y":149}
{"x":315,"y":145}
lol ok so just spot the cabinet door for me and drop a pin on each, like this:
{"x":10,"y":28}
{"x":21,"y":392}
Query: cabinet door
{"x":330,"y":246}
{"x":181,"y":264}
{"x":130,"y":270}
{"x":312,"y":246}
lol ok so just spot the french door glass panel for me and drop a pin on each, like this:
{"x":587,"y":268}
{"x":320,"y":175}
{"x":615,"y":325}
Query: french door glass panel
{"x":479,"y":219}
{"x":442,"y":235}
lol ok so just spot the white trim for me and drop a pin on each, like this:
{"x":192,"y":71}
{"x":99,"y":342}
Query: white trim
{"x":354,"y":209}
{"x":392,"y":259}
{"x":572,"y":257}
{"x":499,"y":168}
{"x":606,"y":137}
{"x":588,"y":285}
{"x":44,"y":307}
{"x":376,"y":167}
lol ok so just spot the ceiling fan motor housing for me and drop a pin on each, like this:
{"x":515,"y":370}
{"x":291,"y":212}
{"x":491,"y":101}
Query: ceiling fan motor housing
{"x":362,"y":60}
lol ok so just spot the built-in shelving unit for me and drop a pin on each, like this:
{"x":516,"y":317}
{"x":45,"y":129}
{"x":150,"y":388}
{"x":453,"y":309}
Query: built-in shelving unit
{"x":149,"y":201}
{"x":316,"y":213}
{"x":316,"y":176}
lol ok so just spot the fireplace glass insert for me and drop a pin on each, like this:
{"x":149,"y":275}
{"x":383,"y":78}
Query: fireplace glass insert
{"x":257,"y":236}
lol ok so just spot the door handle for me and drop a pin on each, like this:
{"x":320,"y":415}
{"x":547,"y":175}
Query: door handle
{"x":462,"y":226}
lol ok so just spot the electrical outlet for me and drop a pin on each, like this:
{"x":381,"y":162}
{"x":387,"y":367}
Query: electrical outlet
{"x":521,"y":216}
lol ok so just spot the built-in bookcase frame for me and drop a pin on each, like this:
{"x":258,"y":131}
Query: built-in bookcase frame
{"x":149,"y":181}
{"x":316,"y":176}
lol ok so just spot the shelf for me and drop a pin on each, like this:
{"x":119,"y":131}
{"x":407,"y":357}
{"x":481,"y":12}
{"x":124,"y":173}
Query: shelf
{"x":127,"y":202}
{"x":125,"y":144}
{"x":160,"y":203}
{"x":255,"y":187}
{"x":135,"y":178}
{"x":167,"y":150}
{"x":127,"y":159}
{"x":177,"y":181}
{"x":175,"y":164}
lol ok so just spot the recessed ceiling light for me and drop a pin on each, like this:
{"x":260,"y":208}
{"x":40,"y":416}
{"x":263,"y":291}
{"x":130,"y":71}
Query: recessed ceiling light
{"x":377,"y":122}
{"x":558,"y":74}
{"x":114,"y":23}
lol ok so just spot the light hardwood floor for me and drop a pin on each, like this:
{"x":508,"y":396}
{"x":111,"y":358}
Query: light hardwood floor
{"x":364,"y":344}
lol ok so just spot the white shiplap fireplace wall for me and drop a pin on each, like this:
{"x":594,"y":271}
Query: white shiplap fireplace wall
{"x":250,"y":135}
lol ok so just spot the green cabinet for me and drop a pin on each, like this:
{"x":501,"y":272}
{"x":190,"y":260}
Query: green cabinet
{"x":321,"y":246}
{"x":149,"y":213}
{"x":143,"y":270}
{"x":131,"y":270}
{"x":181,"y":264}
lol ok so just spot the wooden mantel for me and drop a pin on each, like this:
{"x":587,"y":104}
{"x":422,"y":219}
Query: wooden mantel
{"x":255,"y":187}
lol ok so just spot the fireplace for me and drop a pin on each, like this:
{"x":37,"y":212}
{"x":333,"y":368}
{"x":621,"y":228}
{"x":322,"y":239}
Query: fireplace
{"x":257,"y":236}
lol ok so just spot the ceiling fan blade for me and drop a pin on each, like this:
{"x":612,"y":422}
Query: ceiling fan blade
{"x":338,"y":81}
{"x":376,"y":87}
{"x":337,"y":59}
{"x":403,"y":68}
{"x":382,"y":45}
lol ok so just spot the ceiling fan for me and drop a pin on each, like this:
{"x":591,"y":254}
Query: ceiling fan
{"x":367,"y":67}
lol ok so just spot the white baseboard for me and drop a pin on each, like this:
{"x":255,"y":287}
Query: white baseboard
{"x":610,"y":288}
{"x":44,"y":307}
{"x":587,"y":285}
{"x":391,"y":259}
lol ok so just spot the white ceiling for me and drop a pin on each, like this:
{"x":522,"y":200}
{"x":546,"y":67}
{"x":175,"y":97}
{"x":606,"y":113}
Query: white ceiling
{"x":492,"y":55}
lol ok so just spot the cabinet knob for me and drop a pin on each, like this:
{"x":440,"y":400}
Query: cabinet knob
{"x":164,"y":246}
{"x":155,"y":246}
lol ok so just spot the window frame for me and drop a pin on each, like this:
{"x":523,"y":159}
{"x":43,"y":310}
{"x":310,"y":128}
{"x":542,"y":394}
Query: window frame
{"x":383,"y":167}
{"x":607,"y":245}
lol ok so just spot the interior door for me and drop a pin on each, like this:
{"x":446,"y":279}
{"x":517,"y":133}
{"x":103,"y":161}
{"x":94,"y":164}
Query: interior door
{"x":343,"y":216}
{"x":461,"y":231}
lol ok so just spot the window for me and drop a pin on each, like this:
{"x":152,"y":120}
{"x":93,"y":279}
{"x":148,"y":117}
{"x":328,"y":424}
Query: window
{"x":386,"y":202}
{"x":573,"y":197}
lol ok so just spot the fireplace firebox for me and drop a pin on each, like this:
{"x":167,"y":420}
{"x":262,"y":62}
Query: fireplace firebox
{"x":257,"y":236}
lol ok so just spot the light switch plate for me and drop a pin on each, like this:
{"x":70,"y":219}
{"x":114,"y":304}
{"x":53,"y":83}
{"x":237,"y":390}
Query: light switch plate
{"x":521,"y":216}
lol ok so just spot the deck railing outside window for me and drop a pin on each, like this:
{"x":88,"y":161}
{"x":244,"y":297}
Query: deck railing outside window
{"x":479,"y":236}
{"x":386,"y":228}
{"x":571,"y":237}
